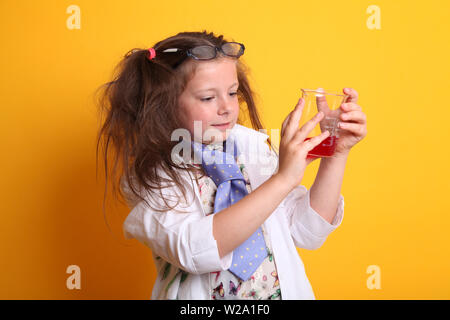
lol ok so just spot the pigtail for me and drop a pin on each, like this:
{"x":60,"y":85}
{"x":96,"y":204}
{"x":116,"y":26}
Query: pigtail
{"x":135,"y":127}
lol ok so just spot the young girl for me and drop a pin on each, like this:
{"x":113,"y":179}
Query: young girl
{"x":218,"y":230}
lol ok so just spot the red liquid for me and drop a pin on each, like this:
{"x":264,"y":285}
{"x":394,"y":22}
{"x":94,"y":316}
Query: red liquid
{"x":325,"y":148}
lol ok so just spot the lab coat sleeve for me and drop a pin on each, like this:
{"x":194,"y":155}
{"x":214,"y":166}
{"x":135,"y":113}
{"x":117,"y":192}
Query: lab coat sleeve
{"x":182,"y":239}
{"x":308,"y":229}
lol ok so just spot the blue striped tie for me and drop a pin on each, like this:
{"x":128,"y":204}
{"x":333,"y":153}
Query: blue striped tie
{"x":222,"y":168}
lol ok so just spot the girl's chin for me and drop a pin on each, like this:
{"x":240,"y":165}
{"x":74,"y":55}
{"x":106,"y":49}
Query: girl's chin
{"x":216,"y":139}
{"x":214,"y":135}
{"x":218,"y":135}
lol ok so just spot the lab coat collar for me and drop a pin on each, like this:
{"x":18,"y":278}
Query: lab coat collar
{"x":248,"y":141}
{"x":253,"y":152}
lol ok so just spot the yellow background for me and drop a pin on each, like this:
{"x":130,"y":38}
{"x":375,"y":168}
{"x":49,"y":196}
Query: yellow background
{"x":396,"y":181}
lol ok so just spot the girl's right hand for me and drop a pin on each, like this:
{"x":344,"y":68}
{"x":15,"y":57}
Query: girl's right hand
{"x":293,"y":149}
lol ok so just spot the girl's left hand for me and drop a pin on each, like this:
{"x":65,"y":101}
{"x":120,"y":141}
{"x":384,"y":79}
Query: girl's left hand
{"x":352,"y":124}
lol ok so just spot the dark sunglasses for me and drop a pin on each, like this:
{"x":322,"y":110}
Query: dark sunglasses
{"x":208,"y":52}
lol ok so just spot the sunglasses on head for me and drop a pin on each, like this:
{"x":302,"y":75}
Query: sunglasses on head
{"x":208,"y":52}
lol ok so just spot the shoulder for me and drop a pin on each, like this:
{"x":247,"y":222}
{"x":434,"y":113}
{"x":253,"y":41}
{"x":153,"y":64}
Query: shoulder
{"x":243,"y":132}
{"x":248,"y":138}
{"x":254,"y":150}
{"x":164,"y":192}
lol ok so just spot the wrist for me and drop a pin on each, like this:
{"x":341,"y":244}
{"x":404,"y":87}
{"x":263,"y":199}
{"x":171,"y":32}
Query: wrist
{"x":335,"y":161}
{"x":337,"y":156}
{"x":282,"y":183}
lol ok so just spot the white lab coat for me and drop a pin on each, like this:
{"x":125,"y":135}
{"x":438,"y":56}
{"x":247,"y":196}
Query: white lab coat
{"x":186,"y":241}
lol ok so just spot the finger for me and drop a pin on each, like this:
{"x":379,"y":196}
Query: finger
{"x":310,"y":144}
{"x":286,"y":120}
{"x":356,"y":116}
{"x":321,"y":101}
{"x":353,"y":95}
{"x":311,"y":123}
{"x":283,"y":126}
{"x":350,"y":106}
{"x":356,"y":128}
{"x":292,"y":122}
{"x":303,"y":132}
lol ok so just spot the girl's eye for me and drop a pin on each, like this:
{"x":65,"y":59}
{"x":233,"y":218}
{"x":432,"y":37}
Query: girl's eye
{"x":209,"y":98}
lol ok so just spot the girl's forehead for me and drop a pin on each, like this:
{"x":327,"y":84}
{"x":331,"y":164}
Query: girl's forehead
{"x":208,"y":70}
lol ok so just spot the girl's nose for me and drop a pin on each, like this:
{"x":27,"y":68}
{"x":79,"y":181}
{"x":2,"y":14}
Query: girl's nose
{"x":224,"y":106}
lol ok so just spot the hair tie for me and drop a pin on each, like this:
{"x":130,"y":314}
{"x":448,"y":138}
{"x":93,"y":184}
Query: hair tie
{"x":152,"y":53}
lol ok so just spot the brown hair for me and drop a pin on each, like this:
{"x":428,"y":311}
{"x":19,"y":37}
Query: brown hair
{"x":140,"y":107}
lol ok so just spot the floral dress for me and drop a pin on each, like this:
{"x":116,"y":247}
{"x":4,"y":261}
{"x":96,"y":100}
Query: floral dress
{"x":224,"y":285}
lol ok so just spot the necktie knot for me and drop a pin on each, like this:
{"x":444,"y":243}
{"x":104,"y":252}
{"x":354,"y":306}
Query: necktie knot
{"x":218,"y":163}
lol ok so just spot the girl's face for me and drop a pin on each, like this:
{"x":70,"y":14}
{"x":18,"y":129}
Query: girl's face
{"x":210,"y":98}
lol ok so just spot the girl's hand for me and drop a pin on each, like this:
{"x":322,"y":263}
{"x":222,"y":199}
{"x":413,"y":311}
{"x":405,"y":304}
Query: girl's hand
{"x":353,"y":124}
{"x":293,"y":149}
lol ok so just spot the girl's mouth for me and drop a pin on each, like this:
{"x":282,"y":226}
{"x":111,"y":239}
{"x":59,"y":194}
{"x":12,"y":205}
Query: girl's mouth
{"x":221,"y":126}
